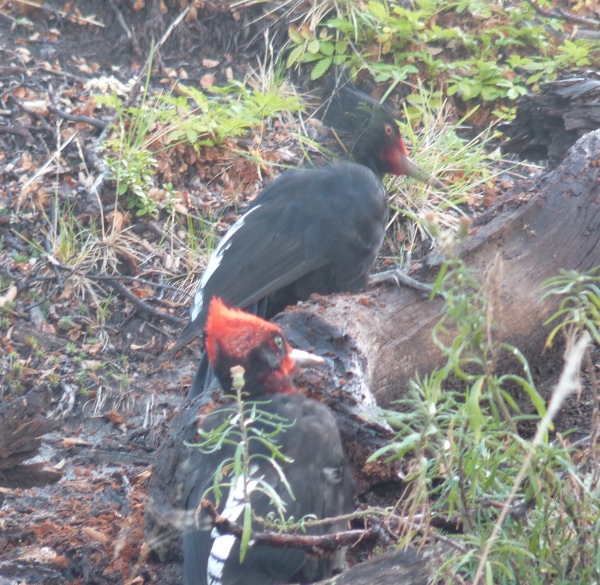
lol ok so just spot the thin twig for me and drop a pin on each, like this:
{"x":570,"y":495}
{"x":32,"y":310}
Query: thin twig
{"x":324,"y":543}
{"x":562,"y":15}
{"x":145,"y":307}
{"x":112,"y":281}
{"x":97,"y":123}
{"x":18,"y":131}
{"x":130,"y":36}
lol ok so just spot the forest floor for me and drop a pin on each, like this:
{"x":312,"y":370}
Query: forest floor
{"x":105,"y":358}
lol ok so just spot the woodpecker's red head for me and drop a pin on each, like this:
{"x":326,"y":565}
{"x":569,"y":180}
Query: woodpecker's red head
{"x":392,"y":155}
{"x":237,"y":338}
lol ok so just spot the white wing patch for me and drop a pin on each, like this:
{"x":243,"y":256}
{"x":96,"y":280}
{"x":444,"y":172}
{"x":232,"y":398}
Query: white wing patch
{"x":223,"y":543}
{"x":215,"y":261}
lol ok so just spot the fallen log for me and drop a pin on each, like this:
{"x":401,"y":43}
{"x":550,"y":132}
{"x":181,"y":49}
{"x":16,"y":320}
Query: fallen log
{"x":549,"y":122}
{"x":400,"y":567}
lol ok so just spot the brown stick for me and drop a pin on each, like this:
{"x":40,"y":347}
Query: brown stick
{"x":563,"y":15}
{"x":325,"y":543}
{"x":18,"y":131}
{"x":121,"y":289}
{"x":100,"y":124}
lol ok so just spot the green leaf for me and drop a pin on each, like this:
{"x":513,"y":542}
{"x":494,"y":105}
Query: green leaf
{"x":313,"y":47}
{"x":327,"y":48}
{"x":474,"y":412}
{"x":246,"y":531}
{"x":378,"y":10}
{"x":320,"y":68}
{"x":398,"y":449}
{"x":340,"y":47}
{"x":490,"y":93}
{"x":295,"y":55}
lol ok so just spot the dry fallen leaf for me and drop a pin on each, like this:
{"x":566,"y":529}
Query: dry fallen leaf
{"x":135,"y":346}
{"x":9,"y":296}
{"x":115,"y":418}
{"x":207,"y":80}
{"x":39,"y":107}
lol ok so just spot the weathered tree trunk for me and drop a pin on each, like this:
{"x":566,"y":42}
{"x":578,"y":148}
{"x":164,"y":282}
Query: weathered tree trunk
{"x":548,"y":123}
{"x":400,"y":567}
{"x":387,"y":335}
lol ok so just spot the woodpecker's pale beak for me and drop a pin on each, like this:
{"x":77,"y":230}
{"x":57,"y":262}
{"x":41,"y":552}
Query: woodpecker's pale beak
{"x":412,"y":169}
{"x":305,"y":359}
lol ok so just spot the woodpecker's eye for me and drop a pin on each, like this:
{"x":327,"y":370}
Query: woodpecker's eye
{"x":388,"y":130}
{"x":279,"y":343}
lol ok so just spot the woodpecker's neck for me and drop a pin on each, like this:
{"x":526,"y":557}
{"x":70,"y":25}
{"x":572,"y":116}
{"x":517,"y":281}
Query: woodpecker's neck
{"x":273,"y":383}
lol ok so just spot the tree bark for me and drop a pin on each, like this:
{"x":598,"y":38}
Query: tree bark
{"x":549,"y":122}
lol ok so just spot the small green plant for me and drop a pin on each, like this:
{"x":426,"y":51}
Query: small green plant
{"x":232,"y":111}
{"x":71,"y":348}
{"x":578,"y":314}
{"x":245,"y":425}
{"x":132,"y":163}
{"x":65,"y":323}
{"x":123,"y":379}
{"x":322,"y":50}
{"x":20,"y":258}
{"x":167,"y":121}
{"x":580,"y":304}
{"x":54,"y":380}
{"x":80,"y":378}
{"x":16,"y":369}
{"x":523,"y":507}
{"x":449,"y":43}
{"x":8,"y":308}
{"x":103,"y":312}
{"x":31,"y":342}
{"x":479,"y":78}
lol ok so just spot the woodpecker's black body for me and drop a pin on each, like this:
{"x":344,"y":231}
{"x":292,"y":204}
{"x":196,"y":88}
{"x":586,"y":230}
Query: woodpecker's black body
{"x":311,"y":230}
{"x":318,"y":473}
{"x":321,"y":483}
{"x":298,"y":237}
